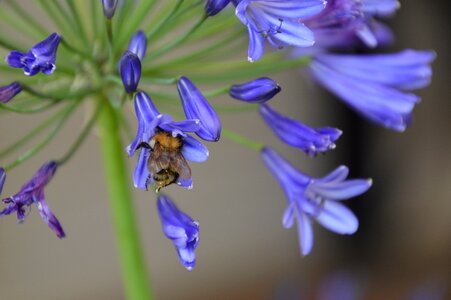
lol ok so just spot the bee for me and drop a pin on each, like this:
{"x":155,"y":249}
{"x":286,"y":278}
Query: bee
{"x":166,"y":163}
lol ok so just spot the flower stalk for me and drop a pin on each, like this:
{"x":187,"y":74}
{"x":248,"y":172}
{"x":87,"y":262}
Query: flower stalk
{"x":137,"y":284}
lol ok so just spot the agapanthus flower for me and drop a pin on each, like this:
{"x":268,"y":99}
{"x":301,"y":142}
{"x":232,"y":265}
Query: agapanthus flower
{"x":294,"y":133}
{"x":181,"y":229}
{"x":150,"y":121}
{"x":374,"y":85}
{"x":109,"y":7}
{"x":130,"y":70}
{"x":197,"y":107}
{"x":315,"y":198}
{"x":258,"y":90}
{"x":9,"y":91}
{"x":213,"y":7}
{"x":277,"y":21}
{"x":40,"y":58}
{"x":32,"y":192}
{"x":138,"y":44}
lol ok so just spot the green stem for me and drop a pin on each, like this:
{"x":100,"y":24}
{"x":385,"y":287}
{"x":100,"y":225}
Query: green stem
{"x":135,"y":277}
{"x":242,"y":140}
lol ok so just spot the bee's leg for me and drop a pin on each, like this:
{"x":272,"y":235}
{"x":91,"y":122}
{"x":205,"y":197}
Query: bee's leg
{"x":143,"y":145}
{"x":148,"y":179}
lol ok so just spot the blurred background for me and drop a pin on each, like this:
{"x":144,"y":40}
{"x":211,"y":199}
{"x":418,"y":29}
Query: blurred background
{"x":403,"y":244}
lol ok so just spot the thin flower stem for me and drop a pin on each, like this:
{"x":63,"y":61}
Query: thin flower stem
{"x":81,"y":138}
{"x":28,"y":110}
{"x":242,"y":140}
{"x":217,"y":92}
{"x":136,"y":281}
{"x":56,"y":96}
{"x":33,"y":151}
{"x":177,"y":41}
{"x":157,"y":27}
{"x":27,"y":18}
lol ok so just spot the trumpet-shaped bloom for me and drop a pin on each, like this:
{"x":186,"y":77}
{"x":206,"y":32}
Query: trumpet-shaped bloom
{"x":181,"y":229}
{"x":258,"y":90}
{"x":197,"y":107}
{"x":130,"y":70}
{"x":277,"y":21}
{"x":109,"y":7}
{"x":138,"y":44}
{"x":9,"y":91}
{"x":213,"y":7}
{"x":33,"y":192}
{"x":40,"y":58}
{"x":315,"y":198}
{"x":149,"y":122}
{"x":294,"y":133}
{"x":375,"y":85}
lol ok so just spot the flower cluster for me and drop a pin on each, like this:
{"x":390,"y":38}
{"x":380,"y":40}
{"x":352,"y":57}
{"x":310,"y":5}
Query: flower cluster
{"x":323,"y":36}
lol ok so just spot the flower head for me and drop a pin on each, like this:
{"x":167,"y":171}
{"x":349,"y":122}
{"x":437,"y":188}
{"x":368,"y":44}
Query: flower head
{"x":130,"y":70}
{"x":9,"y":91}
{"x":151,"y":122}
{"x":213,"y":7}
{"x":181,"y":229}
{"x":315,"y":198}
{"x":40,"y":58}
{"x":109,"y":7}
{"x":277,"y":22}
{"x":258,"y":90}
{"x":33,"y":192}
{"x":375,"y":85}
{"x":138,"y":44}
{"x":294,"y":133}
{"x":197,"y":107}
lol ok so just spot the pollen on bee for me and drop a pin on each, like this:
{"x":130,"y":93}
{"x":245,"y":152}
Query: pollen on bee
{"x":167,"y":140}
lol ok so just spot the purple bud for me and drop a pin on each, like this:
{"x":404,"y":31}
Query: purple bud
{"x":258,"y":90}
{"x":130,"y":70}
{"x":138,"y":44}
{"x":2,"y":179}
{"x":109,"y":7}
{"x":197,"y":107}
{"x":9,"y":91}
{"x":181,"y":229}
{"x":215,"y":6}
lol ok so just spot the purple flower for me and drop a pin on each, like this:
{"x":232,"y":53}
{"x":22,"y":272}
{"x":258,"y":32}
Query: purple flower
{"x":375,"y":85}
{"x":197,"y":107}
{"x":277,"y":22}
{"x":41,"y":57}
{"x":150,"y":122}
{"x":181,"y":229}
{"x":33,"y":192}
{"x":9,"y":91}
{"x":2,"y":179}
{"x":315,"y":198}
{"x":130,"y":70}
{"x":380,"y":8}
{"x":213,"y":7}
{"x":109,"y":7}
{"x":294,"y":133}
{"x":258,"y":90}
{"x":138,"y":44}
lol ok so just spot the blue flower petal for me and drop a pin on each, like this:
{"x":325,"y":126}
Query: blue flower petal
{"x":48,"y":217}
{"x":141,"y":173}
{"x":338,"y":218}
{"x":288,"y":215}
{"x":340,"y":190}
{"x":305,"y":233}
{"x":2,"y":179}
{"x":193,"y":150}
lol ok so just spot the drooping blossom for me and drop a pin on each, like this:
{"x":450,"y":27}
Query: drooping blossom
{"x":109,"y":8}
{"x":130,"y":70}
{"x":8,"y":92}
{"x":258,"y":90}
{"x":317,"y":199}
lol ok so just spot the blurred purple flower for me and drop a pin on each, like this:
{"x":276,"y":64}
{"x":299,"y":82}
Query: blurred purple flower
{"x":315,"y":198}
{"x":138,"y":44}
{"x":197,"y":107}
{"x":213,"y":7}
{"x":277,"y":22}
{"x":109,"y":7}
{"x":181,"y":229}
{"x":294,"y":133}
{"x":375,"y":85}
{"x":149,"y":122}
{"x":2,"y":179}
{"x":130,"y":70}
{"x":258,"y":90}
{"x":33,"y":192}
{"x":41,"y":57}
{"x":8,"y":92}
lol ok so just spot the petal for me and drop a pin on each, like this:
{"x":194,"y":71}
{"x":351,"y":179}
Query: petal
{"x":258,"y":90}
{"x":130,"y":70}
{"x":186,"y":183}
{"x":340,"y":190}
{"x":138,"y":44}
{"x":193,"y":150}
{"x":305,"y":233}
{"x":213,"y":7}
{"x":187,"y":257}
{"x":337,"y":175}
{"x":14,"y":59}
{"x":2,"y":179}
{"x":141,"y":174}
{"x":293,"y":9}
{"x":256,"y":45}
{"x":47,"y":215}
{"x":288,"y":215}
{"x":338,"y":218}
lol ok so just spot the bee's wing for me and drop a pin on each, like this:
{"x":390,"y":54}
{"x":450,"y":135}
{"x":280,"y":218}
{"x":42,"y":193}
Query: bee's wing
{"x":180,"y":165}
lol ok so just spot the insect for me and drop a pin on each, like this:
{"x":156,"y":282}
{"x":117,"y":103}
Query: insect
{"x":166,"y":163}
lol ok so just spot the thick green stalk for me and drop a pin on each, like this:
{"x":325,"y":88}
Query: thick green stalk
{"x":137,"y":284}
